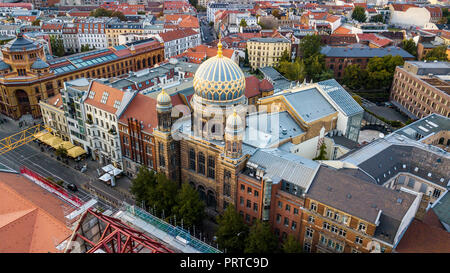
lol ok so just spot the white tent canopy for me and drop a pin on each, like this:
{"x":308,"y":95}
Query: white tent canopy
{"x":106,"y":177}
{"x":110,"y":169}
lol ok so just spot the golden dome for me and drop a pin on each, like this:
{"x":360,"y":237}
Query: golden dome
{"x":219,"y":79}
{"x":234,"y":123}
{"x":163,"y":99}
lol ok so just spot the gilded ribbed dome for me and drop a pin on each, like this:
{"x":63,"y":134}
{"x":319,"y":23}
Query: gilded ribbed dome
{"x":234,"y":123}
{"x":163,"y":99}
{"x":219,"y":79}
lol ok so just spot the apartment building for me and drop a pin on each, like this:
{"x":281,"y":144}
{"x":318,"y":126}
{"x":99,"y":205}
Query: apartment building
{"x":92,"y":32}
{"x":178,"y":41}
{"x":136,"y":135}
{"x":421,"y":88}
{"x":104,"y":106}
{"x":266,"y":51}
{"x":115,"y":27}
{"x":53,"y":116}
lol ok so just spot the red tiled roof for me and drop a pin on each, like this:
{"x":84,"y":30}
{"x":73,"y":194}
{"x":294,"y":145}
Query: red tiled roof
{"x":177,"y":34}
{"x":265,"y":85}
{"x":374,"y":39}
{"x":55,"y":101}
{"x":402,"y":7}
{"x":31,"y":218}
{"x":342,"y":30}
{"x":113,"y":95}
{"x":421,"y":237}
{"x":251,"y":86}
{"x":142,"y":108}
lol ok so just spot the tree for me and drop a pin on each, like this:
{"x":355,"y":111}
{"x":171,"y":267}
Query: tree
{"x":189,"y":206}
{"x":377,"y":18}
{"x":119,"y":15}
{"x":246,"y":59}
{"x":163,"y":196}
{"x":322,"y":153}
{"x":380,"y":71}
{"x":410,"y":46}
{"x":57,"y":46}
{"x":285,"y":57}
{"x":354,"y":77}
{"x":36,"y":22}
{"x":140,"y":186}
{"x":293,"y":71}
{"x":261,"y":239}
{"x":232,"y":231}
{"x":310,"y":45}
{"x":276,"y":13}
{"x":243,"y":23}
{"x":359,"y":14}
{"x":437,"y":54}
{"x":291,"y":245}
{"x":61,"y":152}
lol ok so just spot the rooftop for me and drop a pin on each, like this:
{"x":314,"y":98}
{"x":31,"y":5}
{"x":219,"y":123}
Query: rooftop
{"x":364,"y":52}
{"x":31,"y":219}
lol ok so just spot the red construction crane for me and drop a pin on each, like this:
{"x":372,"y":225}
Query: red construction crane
{"x":110,"y":235}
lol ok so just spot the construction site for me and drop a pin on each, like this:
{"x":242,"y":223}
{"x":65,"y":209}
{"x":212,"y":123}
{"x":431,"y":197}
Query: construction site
{"x":38,"y":215}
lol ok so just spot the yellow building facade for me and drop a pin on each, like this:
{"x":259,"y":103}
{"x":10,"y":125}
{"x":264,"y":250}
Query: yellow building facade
{"x":264,"y":52}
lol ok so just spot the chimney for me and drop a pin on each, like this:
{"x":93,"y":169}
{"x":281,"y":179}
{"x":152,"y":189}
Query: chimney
{"x":422,"y":209}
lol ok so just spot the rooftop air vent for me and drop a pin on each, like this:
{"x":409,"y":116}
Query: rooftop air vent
{"x":349,"y":196}
{"x":399,"y":200}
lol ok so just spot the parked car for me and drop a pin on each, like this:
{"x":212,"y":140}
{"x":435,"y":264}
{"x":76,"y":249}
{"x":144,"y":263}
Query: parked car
{"x":72,"y":187}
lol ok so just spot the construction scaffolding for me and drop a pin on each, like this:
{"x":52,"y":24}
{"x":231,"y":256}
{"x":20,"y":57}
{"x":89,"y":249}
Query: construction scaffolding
{"x":23,"y":137}
{"x":98,"y":233}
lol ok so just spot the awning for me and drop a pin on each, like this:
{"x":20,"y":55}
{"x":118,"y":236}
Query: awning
{"x":75,"y":151}
{"x":40,"y":134}
{"x":106,"y":177}
{"x":66,"y":145}
{"x":45,"y":136}
{"x":112,"y":170}
{"x":55,"y":142}
{"x":50,"y":140}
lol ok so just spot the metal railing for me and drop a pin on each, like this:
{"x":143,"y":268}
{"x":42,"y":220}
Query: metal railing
{"x":171,"y":230}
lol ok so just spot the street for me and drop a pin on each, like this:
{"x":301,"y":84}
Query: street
{"x":207,"y":32}
{"x":46,"y":165}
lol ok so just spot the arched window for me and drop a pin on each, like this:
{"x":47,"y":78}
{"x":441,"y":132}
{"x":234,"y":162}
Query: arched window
{"x":201,"y":163}
{"x":192,"y":159}
{"x":211,"y":167}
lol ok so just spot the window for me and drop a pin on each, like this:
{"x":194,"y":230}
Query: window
{"x":211,"y":167}
{"x":358,"y":240}
{"x":311,"y":219}
{"x":286,"y":221}
{"x":329,"y":214}
{"x":436,"y":193}
{"x":241,"y":201}
{"x":295,"y":210}
{"x":249,"y":190}
{"x":336,"y":217}
{"x":255,"y":207}
{"x":242,"y":187}
{"x":192,"y":159}
{"x":288,"y":207}
{"x":278,"y":218}
{"x":362,"y":227}
{"x":309,"y":233}
{"x":313,"y":207}
{"x":201,"y":163}
{"x":247,"y":218}
{"x":256,"y":193}
{"x":226,"y":189}
{"x":326,"y":226}
{"x":411,"y":183}
{"x":280,"y":205}
{"x":293,"y":225}
{"x":307,"y":247}
{"x":249,"y":204}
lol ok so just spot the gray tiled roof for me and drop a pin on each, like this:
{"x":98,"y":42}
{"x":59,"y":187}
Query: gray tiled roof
{"x":310,"y":104}
{"x":383,"y":159}
{"x":286,"y":166}
{"x":361,"y":199}
{"x":341,"y":97}
{"x":364,"y":52}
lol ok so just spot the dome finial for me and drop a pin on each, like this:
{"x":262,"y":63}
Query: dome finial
{"x":219,"y":47}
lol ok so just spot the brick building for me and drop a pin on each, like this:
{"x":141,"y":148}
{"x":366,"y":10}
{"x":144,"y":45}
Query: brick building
{"x":421,"y":88}
{"x":338,"y":58}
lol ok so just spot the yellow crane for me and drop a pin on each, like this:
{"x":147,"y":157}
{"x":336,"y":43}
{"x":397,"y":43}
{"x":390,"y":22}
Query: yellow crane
{"x":23,"y":137}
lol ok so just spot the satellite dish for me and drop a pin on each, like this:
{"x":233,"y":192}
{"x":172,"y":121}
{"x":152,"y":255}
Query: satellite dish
{"x":381,"y":135}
